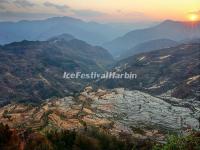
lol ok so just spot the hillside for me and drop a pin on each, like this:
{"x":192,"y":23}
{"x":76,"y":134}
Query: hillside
{"x":32,"y":71}
{"x":149,"y":46}
{"x":175,"y":69}
{"x":173,"y":30}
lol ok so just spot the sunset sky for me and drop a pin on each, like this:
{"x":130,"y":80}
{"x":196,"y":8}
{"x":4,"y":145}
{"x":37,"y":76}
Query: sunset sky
{"x":101,"y":10}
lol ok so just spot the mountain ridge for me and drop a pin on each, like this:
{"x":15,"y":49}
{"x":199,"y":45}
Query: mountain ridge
{"x":32,"y":71}
{"x":45,"y":29}
{"x":173,"y":30}
{"x":149,"y":46}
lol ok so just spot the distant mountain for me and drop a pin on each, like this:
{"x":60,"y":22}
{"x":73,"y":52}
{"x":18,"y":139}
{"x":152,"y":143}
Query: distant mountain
{"x":195,"y":40}
{"x":149,"y":46}
{"x":173,"y":30}
{"x":91,"y":32}
{"x":32,"y":71}
{"x":62,"y":37}
{"x":176,"y":69}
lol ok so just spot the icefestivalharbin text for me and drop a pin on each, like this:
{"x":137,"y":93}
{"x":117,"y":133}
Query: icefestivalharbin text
{"x":95,"y":75}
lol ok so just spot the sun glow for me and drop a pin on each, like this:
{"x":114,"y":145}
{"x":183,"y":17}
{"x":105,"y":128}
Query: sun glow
{"x":193,"y":17}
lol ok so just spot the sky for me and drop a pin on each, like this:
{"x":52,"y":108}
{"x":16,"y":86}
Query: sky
{"x":101,"y":10}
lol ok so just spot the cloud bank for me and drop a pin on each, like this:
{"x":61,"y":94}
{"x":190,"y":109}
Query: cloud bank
{"x":62,"y":8}
{"x":23,"y":3}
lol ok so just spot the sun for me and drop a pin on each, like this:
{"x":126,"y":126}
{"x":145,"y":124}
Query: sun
{"x":193,"y":17}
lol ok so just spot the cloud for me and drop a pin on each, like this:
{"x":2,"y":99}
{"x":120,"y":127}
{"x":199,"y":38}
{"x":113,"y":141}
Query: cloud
{"x":2,"y":7}
{"x":16,"y":16}
{"x":88,"y":13}
{"x":62,"y":8}
{"x":4,"y":1}
{"x":23,"y":3}
{"x":81,"y":13}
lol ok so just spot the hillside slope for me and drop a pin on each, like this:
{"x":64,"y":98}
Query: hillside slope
{"x":149,"y":46}
{"x":176,"y":69}
{"x":33,"y":70}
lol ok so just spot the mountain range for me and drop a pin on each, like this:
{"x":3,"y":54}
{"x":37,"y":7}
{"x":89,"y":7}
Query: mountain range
{"x":91,"y":32}
{"x":173,"y":30}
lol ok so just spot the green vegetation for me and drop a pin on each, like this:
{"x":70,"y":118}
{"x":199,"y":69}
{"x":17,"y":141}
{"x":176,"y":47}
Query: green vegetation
{"x":191,"y":142}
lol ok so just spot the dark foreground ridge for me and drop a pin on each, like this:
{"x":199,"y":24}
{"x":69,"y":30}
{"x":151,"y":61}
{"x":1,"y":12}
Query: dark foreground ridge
{"x":91,"y":139}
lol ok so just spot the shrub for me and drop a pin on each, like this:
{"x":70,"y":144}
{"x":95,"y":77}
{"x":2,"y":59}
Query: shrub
{"x":191,"y":142}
